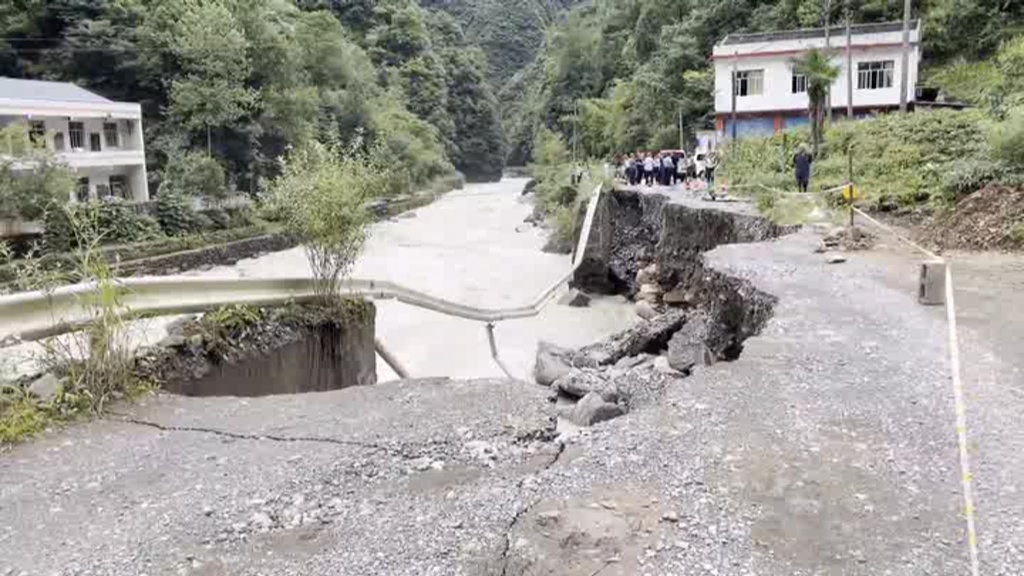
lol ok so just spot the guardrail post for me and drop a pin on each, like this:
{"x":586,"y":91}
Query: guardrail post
{"x":932,"y":286}
{"x":390,"y":359}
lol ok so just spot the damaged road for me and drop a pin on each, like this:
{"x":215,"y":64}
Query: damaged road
{"x":825,"y":447}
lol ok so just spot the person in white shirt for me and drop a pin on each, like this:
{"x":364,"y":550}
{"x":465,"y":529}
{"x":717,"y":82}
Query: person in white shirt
{"x":649,"y":165}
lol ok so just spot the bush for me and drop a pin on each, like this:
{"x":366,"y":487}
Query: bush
{"x":241,"y":216}
{"x":219,"y":219}
{"x":60,"y":234}
{"x":28,"y":193}
{"x":119,"y":223}
{"x":176,"y":215}
{"x":323,"y":193}
{"x":448,"y":182}
{"x":1007,"y":140}
{"x":193,"y":174}
{"x":116,"y":221}
{"x":969,"y":178}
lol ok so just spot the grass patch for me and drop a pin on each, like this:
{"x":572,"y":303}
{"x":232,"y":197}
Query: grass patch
{"x":21,"y":415}
{"x":899,"y":160}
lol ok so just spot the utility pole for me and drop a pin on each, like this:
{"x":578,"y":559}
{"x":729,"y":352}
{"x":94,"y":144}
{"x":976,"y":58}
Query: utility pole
{"x":575,"y":121}
{"x":849,"y":65}
{"x":682,"y":140}
{"x":733,"y":88}
{"x":905,"y":58}
{"x":828,"y":46}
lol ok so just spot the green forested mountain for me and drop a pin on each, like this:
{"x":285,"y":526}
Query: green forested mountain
{"x":634,"y":65}
{"x":509,"y":31}
{"x":244,"y":80}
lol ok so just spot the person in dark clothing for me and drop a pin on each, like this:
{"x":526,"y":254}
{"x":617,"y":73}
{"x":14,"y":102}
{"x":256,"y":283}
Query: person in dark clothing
{"x":710,"y":163}
{"x":667,"y":169}
{"x":802,"y":164}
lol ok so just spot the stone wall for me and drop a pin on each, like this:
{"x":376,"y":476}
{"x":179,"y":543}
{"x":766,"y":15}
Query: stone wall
{"x":217,"y":255}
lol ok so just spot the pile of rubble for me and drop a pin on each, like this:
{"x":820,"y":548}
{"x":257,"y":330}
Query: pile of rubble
{"x":606,"y":379}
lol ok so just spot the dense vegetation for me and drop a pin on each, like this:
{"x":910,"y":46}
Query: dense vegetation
{"x":245,"y":80}
{"x":510,"y":32}
{"x":635,"y":66}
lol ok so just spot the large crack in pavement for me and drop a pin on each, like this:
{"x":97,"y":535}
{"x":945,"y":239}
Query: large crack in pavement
{"x":242,"y":436}
{"x":503,"y":557}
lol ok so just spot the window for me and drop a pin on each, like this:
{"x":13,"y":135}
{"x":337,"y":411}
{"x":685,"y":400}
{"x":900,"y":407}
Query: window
{"x":749,"y":82}
{"x":58,"y":141}
{"x":110,"y":135}
{"x":119,"y":187}
{"x":37,"y":132}
{"x":874,"y":75}
{"x":76,"y":133}
{"x":129,"y":128}
{"x":799,"y":83}
{"x":94,"y":142}
{"x":102,"y":191}
{"x":82,"y":190}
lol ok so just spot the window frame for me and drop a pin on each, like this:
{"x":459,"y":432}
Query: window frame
{"x":747,"y":79}
{"x":798,"y":83}
{"x":37,"y":132}
{"x":876,"y":74}
{"x":79,"y":129}
{"x":82,"y":189}
{"x":111,"y":135}
{"x":120,"y":186}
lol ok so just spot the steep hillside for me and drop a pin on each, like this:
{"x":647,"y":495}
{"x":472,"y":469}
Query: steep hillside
{"x":634,"y":66}
{"x":245,"y":80}
{"x":509,"y":31}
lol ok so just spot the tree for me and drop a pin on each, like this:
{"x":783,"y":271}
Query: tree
{"x":322,"y":192}
{"x":211,"y":46}
{"x":31,"y":178}
{"x":817,"y":67}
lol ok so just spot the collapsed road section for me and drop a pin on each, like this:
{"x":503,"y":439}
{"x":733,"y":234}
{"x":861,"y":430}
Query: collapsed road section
{"x":651,"y":249}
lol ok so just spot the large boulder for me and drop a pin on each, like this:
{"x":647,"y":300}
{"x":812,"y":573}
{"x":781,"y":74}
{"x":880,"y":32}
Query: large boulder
{"x":689,"y":346}
{"x":574,"y":299}
{"x":579,"y":383}
{"x":591,"y":410}
{"x":645,"y":310}
{"x":552,"y":363}
{"x":650,"y":337}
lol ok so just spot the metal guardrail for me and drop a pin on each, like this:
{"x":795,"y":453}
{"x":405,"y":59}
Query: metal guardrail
{"x":44,"y":313}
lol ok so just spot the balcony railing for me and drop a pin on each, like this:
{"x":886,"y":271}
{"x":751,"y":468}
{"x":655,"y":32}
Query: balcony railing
{"x":102,"y":158}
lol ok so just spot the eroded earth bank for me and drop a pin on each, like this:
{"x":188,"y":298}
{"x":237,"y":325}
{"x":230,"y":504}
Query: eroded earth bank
{"x":748,"y":426}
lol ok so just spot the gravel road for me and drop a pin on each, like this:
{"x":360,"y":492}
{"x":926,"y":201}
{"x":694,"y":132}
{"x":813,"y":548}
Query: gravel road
{"x":827,"y":448}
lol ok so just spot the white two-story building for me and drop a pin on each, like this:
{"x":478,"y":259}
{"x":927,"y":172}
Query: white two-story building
{"x":101,"y":140}
{"x":769,"y":97}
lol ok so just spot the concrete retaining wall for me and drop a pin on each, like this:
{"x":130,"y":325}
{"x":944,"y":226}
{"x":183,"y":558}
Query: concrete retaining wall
{"x":271,"y":357}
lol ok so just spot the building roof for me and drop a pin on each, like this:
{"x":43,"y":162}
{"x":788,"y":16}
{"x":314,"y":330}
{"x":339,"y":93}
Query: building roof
{"x":17,"y":89}
{"x":808,"y":33}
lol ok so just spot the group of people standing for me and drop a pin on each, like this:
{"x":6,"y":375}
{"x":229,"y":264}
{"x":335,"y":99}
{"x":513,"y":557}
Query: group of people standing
{"x":668,"y":168}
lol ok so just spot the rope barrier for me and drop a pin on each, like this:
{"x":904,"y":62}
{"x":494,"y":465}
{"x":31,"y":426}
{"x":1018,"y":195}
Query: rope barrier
{"x":959,"y":404}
